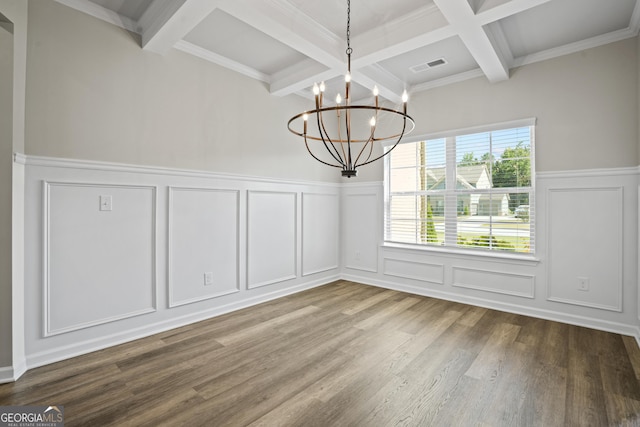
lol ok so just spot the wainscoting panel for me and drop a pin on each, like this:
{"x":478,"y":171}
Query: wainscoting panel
{"x":361,"y":231}
{"x":99,"y":246}
{"x":203,"y":244}
{"x":271,"y":237}
{"x":593,"y":217}
{"x":320,"y":227}
{"x":494,"y":281}
{"x":421,"y":271}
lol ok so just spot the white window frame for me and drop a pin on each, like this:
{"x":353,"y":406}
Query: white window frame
{"x":451,"y":194}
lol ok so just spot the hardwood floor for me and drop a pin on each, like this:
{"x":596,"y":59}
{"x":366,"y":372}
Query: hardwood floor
{"x":346,"y":354}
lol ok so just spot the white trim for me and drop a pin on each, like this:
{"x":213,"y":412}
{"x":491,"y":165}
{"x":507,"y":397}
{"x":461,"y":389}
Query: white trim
{"x":19,"y":158}
{"x":158,"y":170}
{"x":524,"y":259}
{"x":589,"y":173}
{"x":530,"y":121}
{"x":102,"y":13}
{"x":46,"y":279}
{"x":9,"y":374}
{"x":76,"y":349}
{"x":445,"y":81}
{"x":222,"y":61}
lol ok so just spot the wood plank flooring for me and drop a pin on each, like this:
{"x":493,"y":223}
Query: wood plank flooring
{"x":347,"y":354}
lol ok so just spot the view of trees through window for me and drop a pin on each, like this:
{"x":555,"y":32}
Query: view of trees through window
{"x":472,"y":190}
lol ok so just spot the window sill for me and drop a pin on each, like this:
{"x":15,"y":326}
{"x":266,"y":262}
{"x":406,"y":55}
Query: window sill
{"x":466,"y":253}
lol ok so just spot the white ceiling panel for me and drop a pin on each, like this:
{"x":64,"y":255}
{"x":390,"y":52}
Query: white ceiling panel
{"x":225,"y":35}
{"x":412,"y":67}
{"x":365,"y":14}
{"x":561,"y":22}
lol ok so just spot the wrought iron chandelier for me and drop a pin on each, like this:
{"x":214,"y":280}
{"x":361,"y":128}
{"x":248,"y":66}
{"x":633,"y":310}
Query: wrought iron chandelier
{"x":350,"y":147}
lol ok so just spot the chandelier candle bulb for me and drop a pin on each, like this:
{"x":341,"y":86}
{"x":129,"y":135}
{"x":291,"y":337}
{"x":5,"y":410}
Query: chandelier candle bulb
{"x":338,"y":99}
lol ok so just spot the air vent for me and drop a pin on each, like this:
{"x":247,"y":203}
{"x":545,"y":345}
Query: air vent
{"x":428,"y":65}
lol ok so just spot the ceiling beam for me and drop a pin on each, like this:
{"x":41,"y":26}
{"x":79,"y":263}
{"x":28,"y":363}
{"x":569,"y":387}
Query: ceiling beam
{"x":299,"y":77}
{"x":280,"y":20}
{"x":463,"y":20}
{"x":166,"y":23}
{"x":492,"y":11}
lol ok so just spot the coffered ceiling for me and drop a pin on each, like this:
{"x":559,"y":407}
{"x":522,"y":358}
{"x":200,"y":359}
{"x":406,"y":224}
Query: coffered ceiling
{"x":397,"y":44}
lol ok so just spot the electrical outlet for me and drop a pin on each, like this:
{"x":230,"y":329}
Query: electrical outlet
{"x":106,"y":203}
{"x":583,"y":283}
{"x":357,"y":254}
{"x":208,"y":278}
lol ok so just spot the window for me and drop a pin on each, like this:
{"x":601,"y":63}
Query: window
{"x":468,"y":189}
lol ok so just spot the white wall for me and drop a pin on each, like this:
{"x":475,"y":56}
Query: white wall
{"x":94,"y":94}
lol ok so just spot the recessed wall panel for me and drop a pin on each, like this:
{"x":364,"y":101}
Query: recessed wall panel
{"x":99,"y":254}
{"x":320,"y":226}
{"x":203,"y":244}
{"x":271,"y":237}
{"x":361,"y":231}
{"x":421,"y":271}
{"x":500,"y":282}
{"x":592,"y":218}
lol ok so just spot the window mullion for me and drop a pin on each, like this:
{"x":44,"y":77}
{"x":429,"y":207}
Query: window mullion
{"x":450,"y":199}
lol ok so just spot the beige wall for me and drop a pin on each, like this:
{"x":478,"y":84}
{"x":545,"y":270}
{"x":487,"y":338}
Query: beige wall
{"x":94,"y":94}
{"x":586,"y":105}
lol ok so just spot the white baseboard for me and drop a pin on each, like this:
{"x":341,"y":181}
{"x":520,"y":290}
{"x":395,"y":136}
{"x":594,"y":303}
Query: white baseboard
{"x":10,"y":374}
{"x":603,"y":325}
{"x":77,"y":349}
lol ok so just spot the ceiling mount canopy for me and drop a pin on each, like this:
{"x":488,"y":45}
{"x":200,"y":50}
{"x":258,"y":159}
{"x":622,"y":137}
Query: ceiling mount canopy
{"x":349,"y":137}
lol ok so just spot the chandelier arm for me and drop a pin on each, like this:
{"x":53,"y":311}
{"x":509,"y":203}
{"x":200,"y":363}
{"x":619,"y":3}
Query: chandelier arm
{"x":347,"y":119}
{"x":364,"y":147}
{"x":321,"y":129}
{"x":340,"y":134}
{"x":324,"y":141}
{"x":314,"y":156}
{"x":404,"y":126}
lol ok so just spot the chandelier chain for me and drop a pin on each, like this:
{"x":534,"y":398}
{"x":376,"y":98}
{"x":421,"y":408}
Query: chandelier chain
{"x":349,"y":50}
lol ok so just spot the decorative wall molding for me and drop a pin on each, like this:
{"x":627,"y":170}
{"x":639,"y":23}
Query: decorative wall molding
{"x":588,"y":173}
{"x":319,"y":221}
{"x":93,"y":165}
{"x":562,"y":281}
{"x":47,"y":186}
{"x":251,"y":198}
{"x":415,"y":270}
{"x":277,"y":233}
{"x":527,"y":281}
{"x":213,"y":292}
{"x":361,"y":233}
